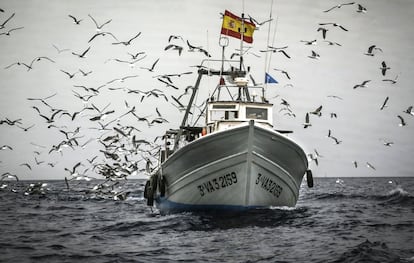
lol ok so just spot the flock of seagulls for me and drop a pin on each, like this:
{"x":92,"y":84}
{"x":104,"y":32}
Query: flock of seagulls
{"x":373,"y":51}
{"x":120,"y":150}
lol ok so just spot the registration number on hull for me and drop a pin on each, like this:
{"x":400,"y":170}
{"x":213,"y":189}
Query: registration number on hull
{"x":269,"y":185}
{"x":217,"y":183}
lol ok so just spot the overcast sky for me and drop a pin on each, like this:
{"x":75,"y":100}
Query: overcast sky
{"x":360,"y":125}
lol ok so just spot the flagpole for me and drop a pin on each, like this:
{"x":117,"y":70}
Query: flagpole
{"x":241,"y":37}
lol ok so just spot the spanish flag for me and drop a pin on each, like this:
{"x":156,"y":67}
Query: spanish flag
{"x":232,"y":26}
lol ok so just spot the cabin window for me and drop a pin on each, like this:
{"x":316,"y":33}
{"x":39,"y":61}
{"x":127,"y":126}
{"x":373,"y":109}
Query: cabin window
{"x":256,"y":113}
{"x":217,"y":115}
{"x":231,"y":115}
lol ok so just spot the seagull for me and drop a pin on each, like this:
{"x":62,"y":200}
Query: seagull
{"x":392,"y":81}
{"x":8,"y":175}
{"x":19,"y":64}
{"x":338,"y":6}
{"x":75,"y":20}
{"x":402,"y":121}
{"x":84,"y":73}
{"x":324,"y":30}
{"x":335,"y":97}
{"x":36,"y":59}
{"x":102,"y":34}
{"x":174,"y":37}
{"x":174,"y":47}
{"x":370,"y":166}
{"x":309,"y":42}
{"x":11,"y":30}
{"x":83,"y":54}
{"x":127,"y":43}
{"x":7,"y":20}
{"x":152,"y":67}
{"x":70,"y":75}
{"x":361,"y":9}
{"x":409,"y":110}
{"x":335,"y":139}
{"x":26,"y":128}
{"x":314,"y":55}
{"x":335,"y":25}
{"x":317,"y":111}
{"x":254,"y":21}
{"x":284,"y":72}
{"x":387,"y":143}
{"x":99,"y":27}
{"x":362,"y":85}
{"x":6,"y":147}
{"x":60,"y":50}
{"x":199,"y":48}
{"x":73,"y":171}
{"x":371,"y":49}
{"x":307,"y":123}
{"x":384,"y":104}
{"x":331,"y":43}
{"x":136,"y":55}
{"x":27,"y":165}
{"x":313,"y":158}
{"x":384,"y":68}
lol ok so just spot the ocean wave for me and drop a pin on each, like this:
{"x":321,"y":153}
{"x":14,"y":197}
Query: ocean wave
{"x":395,"y":196}
{"x":368,"y":251}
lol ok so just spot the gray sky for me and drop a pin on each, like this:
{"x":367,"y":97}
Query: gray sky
{"x":360,"y":124}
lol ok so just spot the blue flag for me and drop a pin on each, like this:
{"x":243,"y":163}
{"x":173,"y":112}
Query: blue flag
{"x":269,"y":79}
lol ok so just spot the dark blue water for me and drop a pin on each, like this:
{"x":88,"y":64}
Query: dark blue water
{"x":348,"y":220}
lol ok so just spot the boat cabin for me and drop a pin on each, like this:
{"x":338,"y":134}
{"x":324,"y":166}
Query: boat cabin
{"x":222,"y":115}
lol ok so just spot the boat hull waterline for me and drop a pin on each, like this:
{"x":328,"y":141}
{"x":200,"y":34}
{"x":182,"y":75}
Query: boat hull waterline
{"x":237,"y":169}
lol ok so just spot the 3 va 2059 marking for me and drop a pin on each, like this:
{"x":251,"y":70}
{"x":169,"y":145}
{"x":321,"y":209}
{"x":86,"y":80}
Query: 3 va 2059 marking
{"x":217,"y":183}
{"x":270,"y":186}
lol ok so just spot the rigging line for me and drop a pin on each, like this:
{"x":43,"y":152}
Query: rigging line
{"x":273,"y":42}
{"x":274,"y":36}
{"x":267,"y":56}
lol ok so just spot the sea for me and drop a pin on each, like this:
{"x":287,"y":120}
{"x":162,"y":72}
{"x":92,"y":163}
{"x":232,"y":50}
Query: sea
{"x":338,"y":220}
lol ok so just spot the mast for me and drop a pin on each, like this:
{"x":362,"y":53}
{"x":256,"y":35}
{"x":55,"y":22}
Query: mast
{"x":187,"y":111}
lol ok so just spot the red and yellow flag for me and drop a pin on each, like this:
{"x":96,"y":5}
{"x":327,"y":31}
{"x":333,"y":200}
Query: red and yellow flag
{"x":232,"y":26}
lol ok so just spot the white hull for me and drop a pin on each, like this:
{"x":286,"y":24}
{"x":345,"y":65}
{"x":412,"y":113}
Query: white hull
{"x":237,"y":169}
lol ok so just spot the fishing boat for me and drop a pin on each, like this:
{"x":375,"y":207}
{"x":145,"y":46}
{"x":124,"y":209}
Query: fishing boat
{"x":237,"y":160}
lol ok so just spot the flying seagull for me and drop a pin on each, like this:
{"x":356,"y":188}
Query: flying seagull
{"x":335,"y":25}
{"x":152,"y":67}
{"x":284,"y":72}
{"x":99,"y":27}
{"x":324,"y":30}
{"x":83,"y":54}
{"x":402,"y":123}
{"x":371,"y":49}
{"x":307,"y":122}
{"x":317,"y":111}
{"x":75,"y":20}
{"x":384,"y":104}
{"x":314,"y":55}
{"x":384,"y":68}
{"x":370,"y":166}
{"x":361,"y":9}
{"x":362,"y":85}
{"x":338,"y":6}
{"x":409,"y":110}
{"x":174,"y":47}
{"x":128,"y":42}
{"x":7,"y":20}
{"x":11,"y":30}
